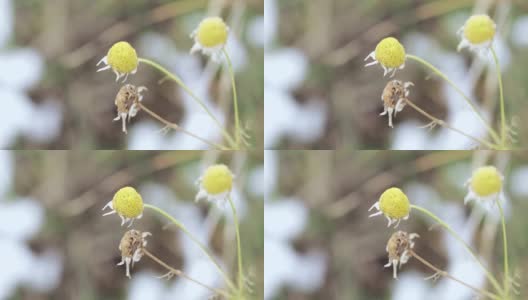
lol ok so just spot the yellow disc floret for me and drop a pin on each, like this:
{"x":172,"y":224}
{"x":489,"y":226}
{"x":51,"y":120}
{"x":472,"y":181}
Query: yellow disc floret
{"x":394,"y":203}
{"x":479,"y":29}
{"x":212,"y":32}
{"x":128,"y":202}
{"x":122,"y":57}
{"x":390,"y":53}
{"x":217,"y":179}
{"x":486,"y":181}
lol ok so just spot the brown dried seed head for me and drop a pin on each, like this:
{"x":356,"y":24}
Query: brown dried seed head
{"x":393,"y":91}
{"x":127,"y":95}
{"x":398,"y":243}
{"x":131,"y":241}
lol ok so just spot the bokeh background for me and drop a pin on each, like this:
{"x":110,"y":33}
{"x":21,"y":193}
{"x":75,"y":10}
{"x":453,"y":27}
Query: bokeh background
{"x":320,"y":243}
{"x":55,"y":243}
{"x":54,"y":99}
{"x":319,"y":95}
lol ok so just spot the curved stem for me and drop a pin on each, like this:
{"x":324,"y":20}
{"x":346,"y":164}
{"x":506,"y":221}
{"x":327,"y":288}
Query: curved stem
{"x":490,"y":276}
{"x":183,"y":275}
{"x":188,"y":90}
{"x":235,"y":99}
{"x":501,"y":92}
{"x":447,"y":275}
{"x":239,"y":251}
{"x":505,"y":249}
{"x":178,"y":128}
{"x":468,"y":101}
{"x":444,"y":124}
{"x":194,"y":239}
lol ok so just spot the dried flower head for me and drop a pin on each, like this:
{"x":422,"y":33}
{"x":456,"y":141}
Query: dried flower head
{"x":477,"y":33}
{"x":127,"y":203}
{"x":398,"y":248}
{"x":394,"y":205}
{"x":131,"y":246}
{"x":390,"y":54}
{"x":126,"y":101}
{"x":393,"y":97}
{"x":215,"y":183}
{"x":210,"y":37}
{"x":484,"y":184}
{"x":122,"y":59}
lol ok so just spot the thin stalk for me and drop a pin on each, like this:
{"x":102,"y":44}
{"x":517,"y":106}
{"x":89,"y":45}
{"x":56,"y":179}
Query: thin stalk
{"x":235,"y":99}
{"x":447,"y":275}
{"x":505,"y":249}
{"x":190,"y":92}
{"x":468,"y":101}
{"x":183,"y":275}
{"x":239,"y":251}
{"x":178,"y":128}
{"x":501,"y":92}
{"x":444,"y":124}
{"x":195,"y":240}
{"x":490,"y":276}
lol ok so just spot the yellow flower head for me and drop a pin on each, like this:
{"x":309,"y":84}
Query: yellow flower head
{"x":390,"y":54}
{"x":212,"y":32}
{"x":484,"y":184}
{"x":479,"y":29}
{"x":215,"y":183}
{"x":486,"y":181}
{"x":127,"y":203}
{"x":210,"y":37}
{"x":122,"y":59}
{"x":394,"y":205}
{"x":477,"y":33}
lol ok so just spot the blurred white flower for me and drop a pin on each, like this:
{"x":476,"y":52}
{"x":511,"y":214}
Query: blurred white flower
{"x":22,"y":68}
{"x":518,"y":180}
{"x":519,"y":29}
{"x":284,"y":220}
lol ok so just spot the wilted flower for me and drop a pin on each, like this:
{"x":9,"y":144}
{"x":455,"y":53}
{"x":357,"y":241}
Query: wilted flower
{"x":126,"y":101}
{"x":122,"y":59}
{"x":398,"y":248}
{"x":393,"y":97}
{"x":131,"y":247}
{"x":394,"y":205}
{"x":390,"y":54}
{"x":127,"y":203}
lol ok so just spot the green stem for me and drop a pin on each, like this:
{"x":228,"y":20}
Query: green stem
{"x":194,"y":239}
{"x":505,"y":244}
{"x":235,"y":99}
{"x":190,"y":92}
{"x":501,"y":92}
{"x":239,"y":251}
{"x":490,"y":276}
{"x":468,"y":101}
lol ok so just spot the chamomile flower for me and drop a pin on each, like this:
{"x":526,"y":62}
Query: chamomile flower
{"x":393,"y":97}
{"x":485,"y":185}
{"x":210,"y":37}
{"x":390,"y":54}
{"x":477,"y":33}
{"x":127,"y":203}
{"x":122,"y":59}
{"x":131,"y":246}
{"x":215,"y":184}
{"x":398,"y":247}
{"x":394,"y":205}
{"x":126,"y":102}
